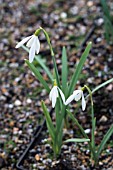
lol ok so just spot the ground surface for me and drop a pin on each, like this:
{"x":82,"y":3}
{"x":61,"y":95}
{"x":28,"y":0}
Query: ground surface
{"x":68,"y":23}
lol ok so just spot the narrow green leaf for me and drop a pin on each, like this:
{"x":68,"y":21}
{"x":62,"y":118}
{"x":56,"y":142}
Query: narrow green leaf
{"x":38,"y":75}
{"x":105,"y":9}
{"x":108,"y":28}
{"x":40,"y":61}
{"x":59,"y":134}
{"x":79,"y":68}
{"x":104,"y":140}
{"x":48,"y":120}
{"x":64,"y":71}
{"x":93,"y":131}
{"x":102,"y":85}
{"x":77,"y":140}
{"x":59,"y":123}
{"x":57,"y":111}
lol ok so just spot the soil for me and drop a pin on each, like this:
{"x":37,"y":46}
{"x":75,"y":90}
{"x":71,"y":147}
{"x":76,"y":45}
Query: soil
{"x":71,"y":24}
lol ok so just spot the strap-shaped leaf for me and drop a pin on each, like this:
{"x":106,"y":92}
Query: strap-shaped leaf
{"x":102,"y":85}
{"x":64,"y":71}
{"x":77,"y":140}
{"x":40,"y":61}
{"x":79,"y":68}
{"x":48,"y":121}
{"x":58,"y":114}
{"x":104,"y":140}
{"x":105,"y":9}
{"x":93,"y":131}
{"x":38,"y":75}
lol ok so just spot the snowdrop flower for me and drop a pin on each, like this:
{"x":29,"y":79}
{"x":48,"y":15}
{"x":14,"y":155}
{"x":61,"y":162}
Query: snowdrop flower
{"x":77,"y":95}
{"x":54,"y":94}
{"x":33,"y":43}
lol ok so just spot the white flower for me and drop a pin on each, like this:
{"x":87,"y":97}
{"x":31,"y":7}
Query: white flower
{"x":77,"y":95}
{"x":54,"y":94}
{"x":34,"y":45}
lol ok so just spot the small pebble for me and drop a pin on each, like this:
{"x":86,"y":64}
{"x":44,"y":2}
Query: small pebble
{"x":63,"y":15}
{"x":29,"y":101}
{"x":42,"y":167}
{"x":73,"y":159}
{"x":100,"y":163}
{"x":12,"y":123}
{"x":64,"y":146}
{"x":13,"y":65}
{"x":44,"y":161}
{"x":17,"y":79}
{"x":90,"y":3}
{"x":17,"y":103}
{"x":87,"y":131}
{"x":74,"y":10}
{"x":109,"y":87}
{"x":49,"y":160}
{"x":15,"y":130}
{"x":103,"y":119}
{"x":37,"y":157}
{"x":2,"y":98}
{"x":100,"y":21}
{"x":34,"y":165}
{"x":11,"y":106}
{"x":98,"y":39}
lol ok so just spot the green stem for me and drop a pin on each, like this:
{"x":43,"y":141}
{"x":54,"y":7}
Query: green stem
{"x":53,"y":56}
{"x":93,"y":119}
{"x":56,"y":71}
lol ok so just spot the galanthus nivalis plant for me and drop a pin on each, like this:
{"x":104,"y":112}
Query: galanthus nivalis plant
{"x":62,"y":94}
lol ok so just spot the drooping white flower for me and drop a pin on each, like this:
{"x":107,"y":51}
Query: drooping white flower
{"x":54,"y":94}
{"x":34,"y":45}
{"x":77,"y":95}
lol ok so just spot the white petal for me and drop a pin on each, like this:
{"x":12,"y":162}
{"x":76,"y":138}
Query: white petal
{"x":77,"y":94}
{"x":62,"y":95}
{"x":54,"y":96}
{"x":37,"y":45}
{"x":30,"y":42}
{"x":32,"y":52}
{"x":69,"y":99}
{"x":55,"y":91}
{"x":83,"y":102}
{"x":53,"y":101}
{"x":51,"y":93}
{"x":23,"y":41}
